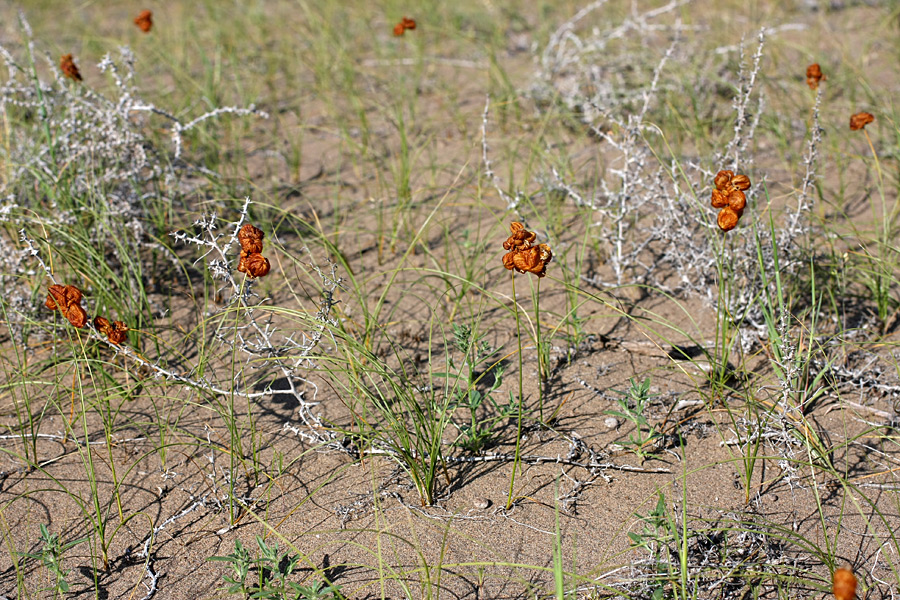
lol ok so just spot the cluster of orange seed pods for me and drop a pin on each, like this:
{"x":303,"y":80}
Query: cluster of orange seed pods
{"x":115,"y":331}
{"x":404,"y":24}
{"x":67,"y":300}
{"x":252,"y":262}
{"x":814,"y":75}
{"x":860,"y":120}
{"x":144,"y":20}
{"x":523,"y":256}
{"x":69,"y":68}
{"x":729,"y":197}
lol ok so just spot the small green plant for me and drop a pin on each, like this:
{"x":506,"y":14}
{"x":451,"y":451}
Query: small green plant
{"x":632,"y":404}
{"x":51,"y":556}
{"x":658,"y":532}
{"x":475,"y":434}
{"x":240,"y":565}
{"x":273,"y":569}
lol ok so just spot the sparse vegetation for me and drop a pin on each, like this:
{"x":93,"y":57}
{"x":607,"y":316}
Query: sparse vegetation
{"x":259,"y":338}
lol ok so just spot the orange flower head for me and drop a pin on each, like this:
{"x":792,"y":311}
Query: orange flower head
{"x":843,"y":584}
{"x":814,"y":76}
{"x":67,"y":300}
{"x":719,"y":199}
{"x":114,"y":331}
{"x":69,"y":68}
{"x":727,"y":219}
{"x":408,"y":23}
{"x":399,"y":29}
{"x":253,"y":264}
{"x":251,"y":239}
{"x":144,"y":20}
{"x":860,"y":120}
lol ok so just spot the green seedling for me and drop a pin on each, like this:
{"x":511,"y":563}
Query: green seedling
{"x":273,"y":568}
{"x":51,"y":556}
{"x":632,"y":404}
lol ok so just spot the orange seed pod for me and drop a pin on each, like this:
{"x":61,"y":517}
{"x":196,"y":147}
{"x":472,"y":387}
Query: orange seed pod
{"x":843,"y":584}
{"x":727,"y":219}
{"x":860,"y":120}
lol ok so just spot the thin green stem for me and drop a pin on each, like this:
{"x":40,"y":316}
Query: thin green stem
{"x":512,"y":478}
{"x":542,"y":370}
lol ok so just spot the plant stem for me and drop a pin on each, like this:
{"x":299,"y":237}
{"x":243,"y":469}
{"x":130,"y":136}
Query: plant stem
{"x":540,"y":350}
{"x":512,"y":478}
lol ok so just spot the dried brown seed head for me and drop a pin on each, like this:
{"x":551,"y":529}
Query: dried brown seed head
{"x":814,"y":75}
{"x":102,"y":325}
{"x":67,"y":299}
{"x":56,"y":297}
{"x":251,"y":238}
{"x":860,"y":120}
{"x":520,"y":239}
{"x":253,"y":264}
{"x":144,"y":20}
{"x":117,"y":333}
{"x":69,"y":68}
{"x":533,"y":260}
{"x":727,"y":219}
{"x":843,"y":584}
{"x":76,"y":315}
